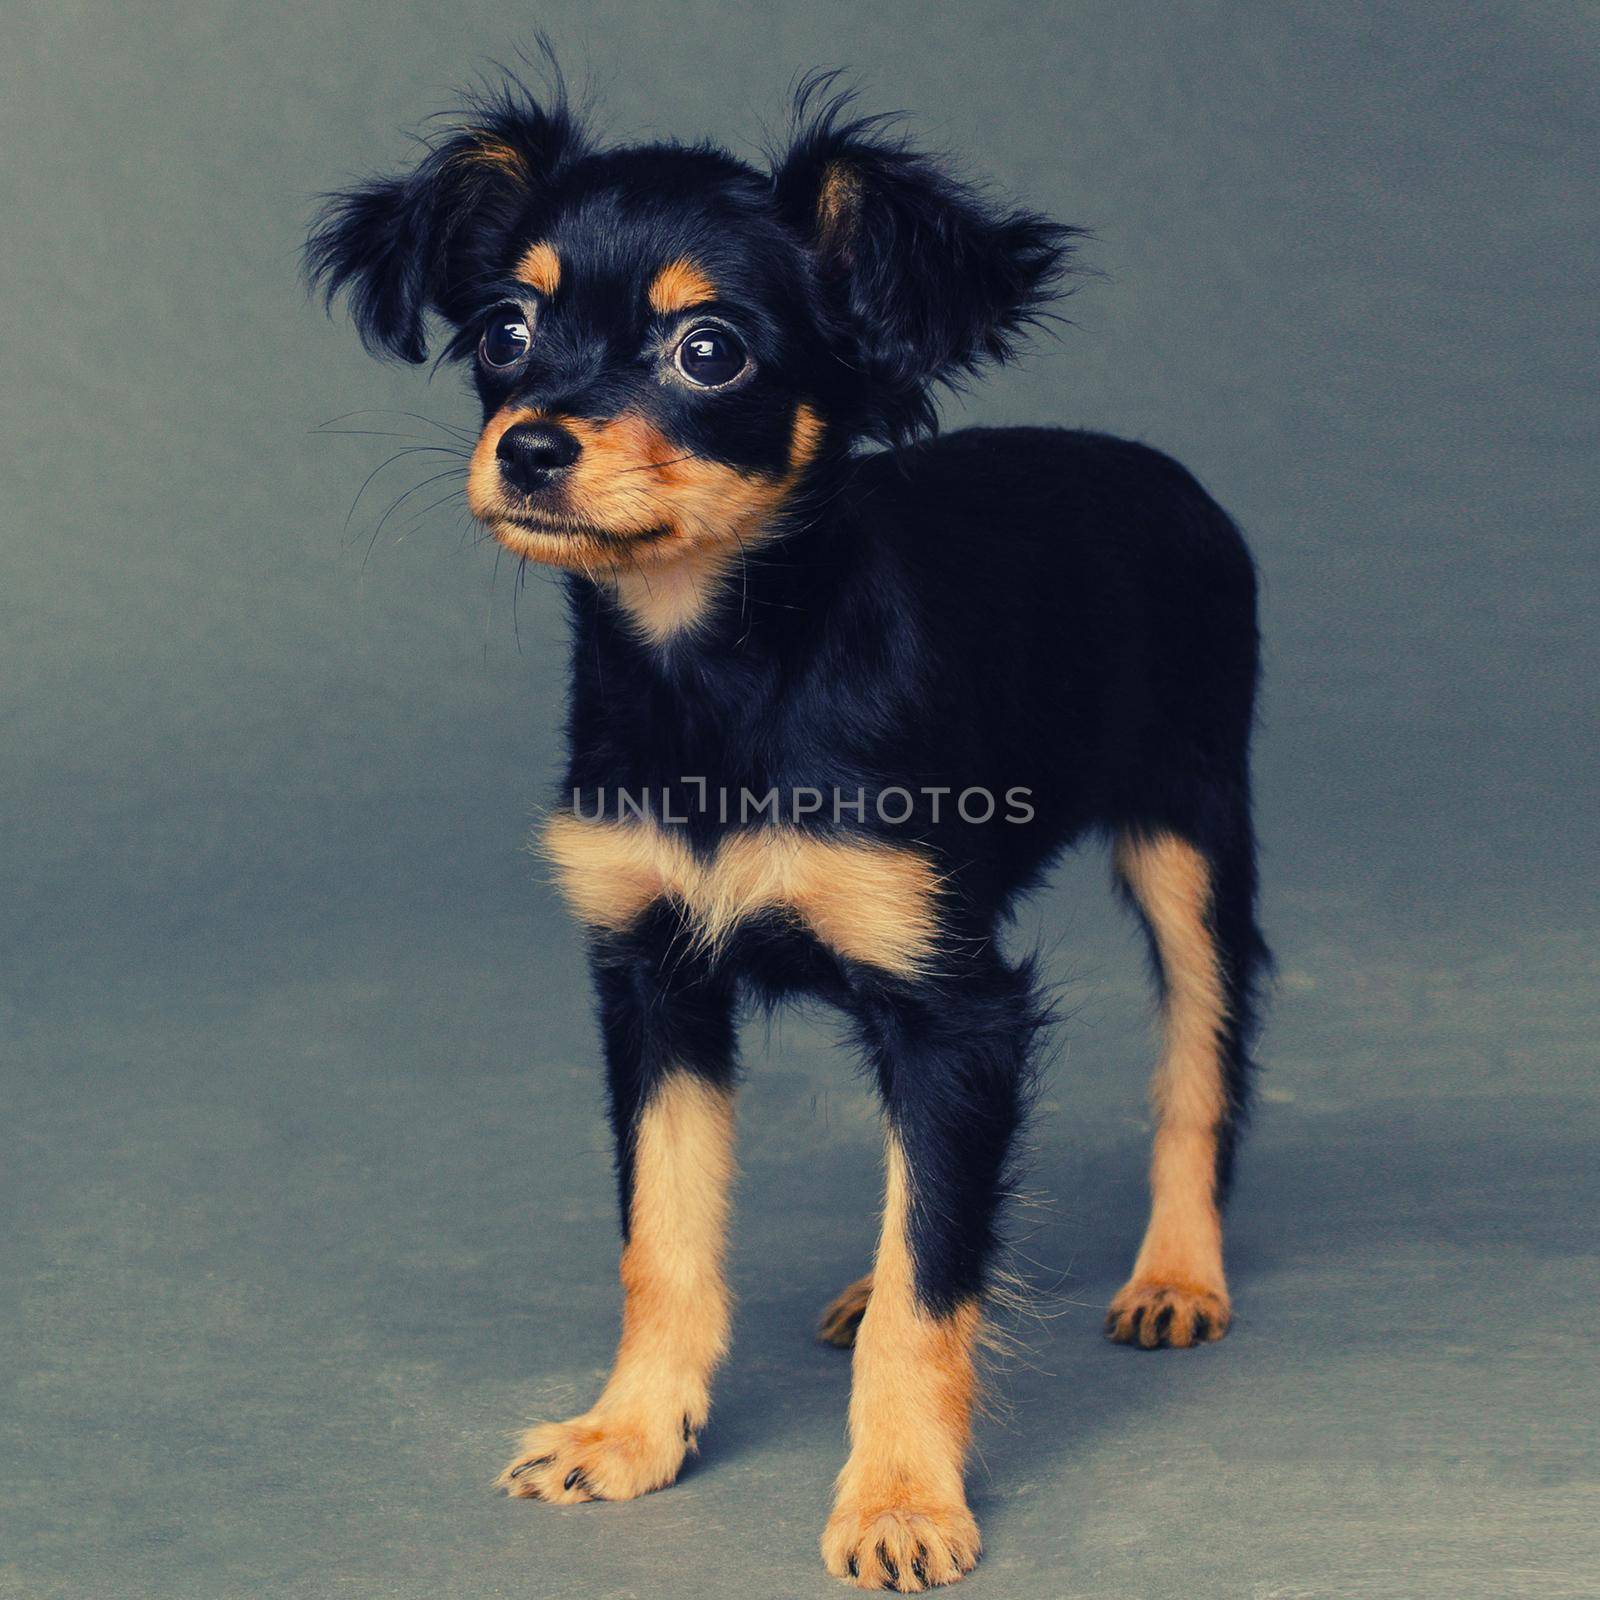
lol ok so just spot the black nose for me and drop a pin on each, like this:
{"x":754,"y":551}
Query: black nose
{"x":532,"y":453}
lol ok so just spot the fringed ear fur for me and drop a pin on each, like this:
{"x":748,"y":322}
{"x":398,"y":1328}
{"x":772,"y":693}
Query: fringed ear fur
{"x":400,"y":247}
{"x":929,"y":277}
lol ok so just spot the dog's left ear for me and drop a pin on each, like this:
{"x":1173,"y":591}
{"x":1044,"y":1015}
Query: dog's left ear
{"x":929,"y":278}
{"x":401,"y":247}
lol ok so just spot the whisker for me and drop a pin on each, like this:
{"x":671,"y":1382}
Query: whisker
{"x":399,"y":455}
{"x":383,"y":433}
{"x":432,"y":505}
{"x":463,"y":434}
{"x":516,"y":596}
{"x":655,"y":466}
{"x":400,"y":501}
{"x":488,"y":608}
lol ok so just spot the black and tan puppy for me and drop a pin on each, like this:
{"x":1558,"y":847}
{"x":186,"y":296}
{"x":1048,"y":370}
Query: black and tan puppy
{"x":832,"y":712}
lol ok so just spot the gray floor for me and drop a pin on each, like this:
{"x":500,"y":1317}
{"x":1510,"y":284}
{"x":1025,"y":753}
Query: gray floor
{"x":306,"y":1179}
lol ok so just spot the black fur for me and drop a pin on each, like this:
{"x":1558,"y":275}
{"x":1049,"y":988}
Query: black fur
{"x":1019,"y":609}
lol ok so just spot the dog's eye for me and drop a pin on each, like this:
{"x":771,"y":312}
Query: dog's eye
{"x":506,"y":338}
{"x":711,"y":357}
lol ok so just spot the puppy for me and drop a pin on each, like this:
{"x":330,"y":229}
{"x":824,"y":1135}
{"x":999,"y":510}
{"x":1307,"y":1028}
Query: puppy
{"x":832,"y":711}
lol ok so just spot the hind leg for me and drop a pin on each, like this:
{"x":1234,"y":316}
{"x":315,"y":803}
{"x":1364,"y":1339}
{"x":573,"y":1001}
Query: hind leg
{"x":1198,"y":910}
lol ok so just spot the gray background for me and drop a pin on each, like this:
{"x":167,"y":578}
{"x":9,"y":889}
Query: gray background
{"x":306,"y":1182}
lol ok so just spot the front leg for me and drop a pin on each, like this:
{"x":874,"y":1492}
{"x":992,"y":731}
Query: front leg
{"x":951,"y":1063}
{"x":667,"y":1020}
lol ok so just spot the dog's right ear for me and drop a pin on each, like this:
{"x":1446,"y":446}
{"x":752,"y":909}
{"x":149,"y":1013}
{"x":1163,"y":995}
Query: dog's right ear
{"x":398,"y":248}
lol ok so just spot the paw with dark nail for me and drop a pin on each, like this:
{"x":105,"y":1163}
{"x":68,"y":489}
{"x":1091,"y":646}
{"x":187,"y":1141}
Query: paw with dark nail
{"x":1174,"y":1316}
{"x":600,"y":1456}
{"x":905,"y":1549}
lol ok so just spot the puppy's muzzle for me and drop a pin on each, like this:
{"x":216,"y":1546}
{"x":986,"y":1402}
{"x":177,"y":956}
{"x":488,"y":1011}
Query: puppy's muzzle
{"x":533,"y":454}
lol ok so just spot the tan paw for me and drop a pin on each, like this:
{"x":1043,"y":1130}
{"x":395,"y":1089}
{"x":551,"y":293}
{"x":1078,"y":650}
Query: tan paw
{"x":597,"y":1457}
{"x":1153,"y":1315}
{"x":907,"y":1548}
{"x":842,"y":1315}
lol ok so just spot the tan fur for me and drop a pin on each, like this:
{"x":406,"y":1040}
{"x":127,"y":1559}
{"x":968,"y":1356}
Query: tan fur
{"x":805,"y":439}
{"x":670,"y":591}
{"x":675,"y":1314}
{"x":664,"y":529}
{"x":663,"y":599}
{"x":1179,"y":1265}
{"x":488,"y":151}
{"x":540,"y":268}
{"x":900,"y":1512}
{"x":872,"y":903}
{"x":678,"y":286}
{"x":841,"y":1317}
{"x":838,"y":211}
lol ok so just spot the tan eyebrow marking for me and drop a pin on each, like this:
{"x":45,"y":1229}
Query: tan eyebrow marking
{"x":679,"y":285}
{"x":540,"y":267}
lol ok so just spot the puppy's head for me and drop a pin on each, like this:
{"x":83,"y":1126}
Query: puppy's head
{"x":668,"y":343}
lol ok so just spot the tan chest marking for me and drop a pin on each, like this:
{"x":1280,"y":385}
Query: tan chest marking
{"x":868,"y":902}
